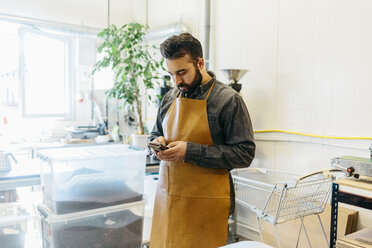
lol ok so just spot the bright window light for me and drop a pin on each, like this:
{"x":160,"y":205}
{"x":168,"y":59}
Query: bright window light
{"x":45,"y":75}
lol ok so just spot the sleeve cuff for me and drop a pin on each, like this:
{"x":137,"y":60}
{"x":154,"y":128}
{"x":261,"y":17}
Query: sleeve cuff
{"x":193,"y":153}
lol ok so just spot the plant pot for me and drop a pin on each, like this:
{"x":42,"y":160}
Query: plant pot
{"x":140,"y":140}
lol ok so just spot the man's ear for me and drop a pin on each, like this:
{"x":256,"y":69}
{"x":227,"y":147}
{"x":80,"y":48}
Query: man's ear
{"x":200,"y":63}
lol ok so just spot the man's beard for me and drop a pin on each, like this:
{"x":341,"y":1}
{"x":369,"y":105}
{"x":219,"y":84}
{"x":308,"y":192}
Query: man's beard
{"x":194,"y":84}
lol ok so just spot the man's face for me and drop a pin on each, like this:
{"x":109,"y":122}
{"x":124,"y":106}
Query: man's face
{"x":185,"y":75}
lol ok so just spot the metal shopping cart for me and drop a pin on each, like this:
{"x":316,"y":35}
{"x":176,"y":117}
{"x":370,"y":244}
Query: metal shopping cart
{"x":277,"y":196}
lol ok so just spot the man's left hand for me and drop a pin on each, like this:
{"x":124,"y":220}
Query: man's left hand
{"x":176,"y":151}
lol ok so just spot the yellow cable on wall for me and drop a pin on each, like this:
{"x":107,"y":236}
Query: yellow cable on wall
{"x":313,"y":135}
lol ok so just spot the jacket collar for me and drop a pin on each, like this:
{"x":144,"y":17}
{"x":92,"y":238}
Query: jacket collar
{"x":201,"y":89}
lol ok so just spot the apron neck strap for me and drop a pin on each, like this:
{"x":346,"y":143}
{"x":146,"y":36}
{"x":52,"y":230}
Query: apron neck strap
{"x":210,"y":90}
{"x":179,"y":95}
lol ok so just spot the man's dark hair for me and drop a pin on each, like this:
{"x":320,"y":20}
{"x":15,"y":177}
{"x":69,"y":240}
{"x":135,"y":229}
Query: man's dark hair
{"x":178,"y":46}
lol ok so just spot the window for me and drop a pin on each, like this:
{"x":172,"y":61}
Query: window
{"x":45,"y":80}
{"x":45,"y":74}
{"x":9,"y":96}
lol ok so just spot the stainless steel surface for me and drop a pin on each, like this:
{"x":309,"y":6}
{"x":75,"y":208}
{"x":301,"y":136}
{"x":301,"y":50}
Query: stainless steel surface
{"x":25,"y":173}
{"x":234,"y":75}
{"x":207,"y":34}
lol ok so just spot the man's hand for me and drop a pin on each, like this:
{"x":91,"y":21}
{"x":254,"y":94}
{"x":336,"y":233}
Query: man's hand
{"x":160,"y":140}
{"x":176,"y":151}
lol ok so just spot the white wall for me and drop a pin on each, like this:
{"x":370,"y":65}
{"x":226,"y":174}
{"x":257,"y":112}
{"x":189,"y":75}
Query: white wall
{"x":309,"y":63}
{"x":310,"y":72}
{"x":309,"y":60}
{"x":89,"y":13}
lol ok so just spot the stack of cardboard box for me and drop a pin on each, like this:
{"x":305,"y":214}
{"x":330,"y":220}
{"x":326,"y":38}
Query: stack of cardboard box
{"x":359,"y":239}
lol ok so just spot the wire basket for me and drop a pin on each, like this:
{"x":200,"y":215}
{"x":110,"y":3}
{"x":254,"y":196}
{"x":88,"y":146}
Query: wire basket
{"x":278,"y":196}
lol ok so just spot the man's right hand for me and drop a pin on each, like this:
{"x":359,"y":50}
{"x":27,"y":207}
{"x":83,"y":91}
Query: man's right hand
{"x":160,"y":140}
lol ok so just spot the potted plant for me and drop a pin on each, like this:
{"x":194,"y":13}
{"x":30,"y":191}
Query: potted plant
{"x":133,"y":63}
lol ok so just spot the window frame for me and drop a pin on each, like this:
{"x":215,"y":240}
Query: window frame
{"x":69,"y":85}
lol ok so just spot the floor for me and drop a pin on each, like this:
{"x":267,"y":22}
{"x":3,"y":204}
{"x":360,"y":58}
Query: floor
{"x":234,"y":238}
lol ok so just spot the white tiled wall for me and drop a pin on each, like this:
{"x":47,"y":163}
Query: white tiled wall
{"x":310,"y":71}
{"x":310,"y":65}
{"x":91,"y":13}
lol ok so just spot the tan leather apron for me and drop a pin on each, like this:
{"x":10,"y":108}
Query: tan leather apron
{"x":192,"y":203}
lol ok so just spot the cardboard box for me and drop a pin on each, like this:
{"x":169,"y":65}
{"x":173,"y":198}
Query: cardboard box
{"x":288,"y":231}
{"x":359,"y":239}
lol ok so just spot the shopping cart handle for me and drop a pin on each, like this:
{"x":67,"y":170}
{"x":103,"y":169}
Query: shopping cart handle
{"x":326,"y":173}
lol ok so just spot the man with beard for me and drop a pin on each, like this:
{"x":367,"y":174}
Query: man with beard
{"x":207,"y":129}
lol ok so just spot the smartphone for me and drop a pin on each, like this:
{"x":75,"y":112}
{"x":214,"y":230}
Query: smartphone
{"x":157,"y":146}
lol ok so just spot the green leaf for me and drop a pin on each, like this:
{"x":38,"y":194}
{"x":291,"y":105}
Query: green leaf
{"x":132,"y":61}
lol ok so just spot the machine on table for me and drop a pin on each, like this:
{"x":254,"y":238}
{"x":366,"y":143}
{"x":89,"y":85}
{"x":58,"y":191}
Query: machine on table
{"x":355,"y":166}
